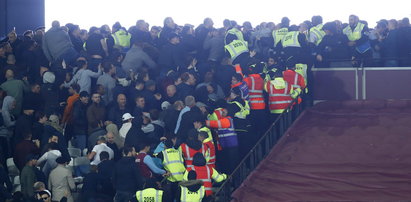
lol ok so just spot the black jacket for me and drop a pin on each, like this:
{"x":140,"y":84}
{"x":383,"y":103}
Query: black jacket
{"x":127,"y":176}
{"x":80,"y":123}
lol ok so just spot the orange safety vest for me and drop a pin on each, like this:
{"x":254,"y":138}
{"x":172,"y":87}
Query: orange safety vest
{"x":279,"y":98}
{"x":295,"y":79}
{"x":188,"y":153}
{"x":255,"y":89}
{"x":238,"y":69}
{"x":204,"y":174}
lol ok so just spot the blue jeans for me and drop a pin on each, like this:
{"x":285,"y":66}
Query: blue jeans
{"x":80,"y":141}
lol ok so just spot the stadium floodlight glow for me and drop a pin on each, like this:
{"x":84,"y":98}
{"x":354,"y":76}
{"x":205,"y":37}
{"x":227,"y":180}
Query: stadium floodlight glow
{"x":87,"y":13}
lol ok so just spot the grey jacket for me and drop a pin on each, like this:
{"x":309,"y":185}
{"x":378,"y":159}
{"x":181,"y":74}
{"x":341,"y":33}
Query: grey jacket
{"x":136,"y":58}
{"x":56,"y":42}
{"x":60,"y":182}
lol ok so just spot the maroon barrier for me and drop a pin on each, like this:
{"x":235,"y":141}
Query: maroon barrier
{"x":354,"y":150}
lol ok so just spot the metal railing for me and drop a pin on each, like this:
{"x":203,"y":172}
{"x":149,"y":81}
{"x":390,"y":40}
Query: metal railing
{"x":259,"y":151}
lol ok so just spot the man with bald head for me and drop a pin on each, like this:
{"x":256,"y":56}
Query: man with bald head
{"x":171,"y":92}
{"x":113,"y":142}
{"x":15,"y":88}
{"x":115,"y":113}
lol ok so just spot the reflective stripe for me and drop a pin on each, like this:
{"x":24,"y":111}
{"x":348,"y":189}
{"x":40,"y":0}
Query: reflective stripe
{"x":201,"y":192}
{"x":171,"y":162}
{"x":178,"y":173}
{"x":141,"y":195}
{"x":252,"y":83}
{"x":256,"y":96}
{"x":208,"y":188}
{"x":280,"y":102}
{"x":255,"y":91}
{"x":184,"y":189}
{"x":188,"y":157}
{"x":219,"y":124}
{"x":257,"y":101}
{"x":157,"y":195}
{"x":227,"y":135}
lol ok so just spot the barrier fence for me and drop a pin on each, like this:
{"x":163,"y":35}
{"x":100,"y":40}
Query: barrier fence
{"x":259,"y":151}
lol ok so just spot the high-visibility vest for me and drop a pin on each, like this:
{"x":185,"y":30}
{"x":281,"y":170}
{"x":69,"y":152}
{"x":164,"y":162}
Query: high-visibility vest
{"x":296,"y":81}
{"x":279,"y":95}
{"x":244,"y":90}
{"x":236,"y":32}
{"x":318,"y":32}
{"x":205,"y":174}
{"x":278,"y":35}
{"x":244,"y":109}
{"x":149,"y":194}
{"x":189,"y":153}
{"x":121,"y":39}
{"x":208,"y":131}
{"x":255,"y":89}
{"x":293,"y":78}
{"x":238,"y":69}
{"x":211,"y":153}
{"x":216,"y":115}
{"x":354,"y":35}
{"x":173,"y":162}
{"x":236,"y":48}
{"x":192,"y":196}
{"x":226,"y":132}
{"x":291,"y":40}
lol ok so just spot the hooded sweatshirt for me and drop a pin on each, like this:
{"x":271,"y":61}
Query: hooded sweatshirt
{"x":8,"y":118}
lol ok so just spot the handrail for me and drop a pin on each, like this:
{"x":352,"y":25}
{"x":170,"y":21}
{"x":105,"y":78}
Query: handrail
{"x":259,"y":151}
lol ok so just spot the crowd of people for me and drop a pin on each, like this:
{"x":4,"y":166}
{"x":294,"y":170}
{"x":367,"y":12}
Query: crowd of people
{"x":151,"y":114}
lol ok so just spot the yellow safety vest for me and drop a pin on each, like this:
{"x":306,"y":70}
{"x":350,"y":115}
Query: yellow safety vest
{"x":213,"y":116}
{"x":302,"y":69}
{"x":244,"y":110}
{"x":278,"y":35}
{"x":318,"y":32}
{"x":354,"y":35}
{"x":149,"y":195}
{"x":291,"y":40}
{"x":192,"y":196}
{"x":236,"y":47}
{"x":236,"y":32}
{"x":208,"y":131}
{"x":121,"y":39}
{"x":173,"y":162}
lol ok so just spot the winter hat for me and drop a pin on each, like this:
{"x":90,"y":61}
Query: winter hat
{"x":49,"y":77}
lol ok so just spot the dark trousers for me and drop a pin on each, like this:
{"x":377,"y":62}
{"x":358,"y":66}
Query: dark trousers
{"x":229,"y":159}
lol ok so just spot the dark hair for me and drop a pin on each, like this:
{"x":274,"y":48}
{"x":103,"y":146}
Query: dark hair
{"x":81,"y":63}
{"x":104,"y":155}
{"x":39,"y":115}
{"x":53,"y":146}
{"x":185,"y":76}
{"x":238,"y":77}
{"x":75,"y":87}
{"x":107,"y":65}
{"x":203,"y":134}
{"x":127,"y":149}
{"x":26,"y":133}
{"x":168,"y":143}
{"x":192,"y":175}
{"x":84,"y":94}
{"x":154,"y":114}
